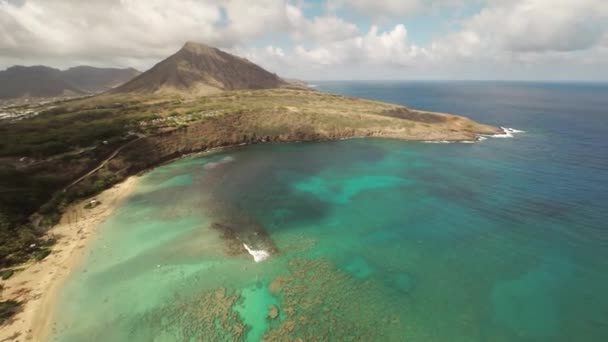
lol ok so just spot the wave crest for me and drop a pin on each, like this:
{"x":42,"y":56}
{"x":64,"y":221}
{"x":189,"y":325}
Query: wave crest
{"x":507,"y":132}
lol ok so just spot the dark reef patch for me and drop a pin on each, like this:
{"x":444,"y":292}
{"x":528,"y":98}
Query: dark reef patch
{"x":236,"y":228}
{"x":190,"y":319}
{"x":322,"y":303}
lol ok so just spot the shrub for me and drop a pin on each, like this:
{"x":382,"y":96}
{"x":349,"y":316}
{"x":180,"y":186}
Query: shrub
{"x":5,"y":274}
{"x":41,"y":254}
{"x":8,"y":308}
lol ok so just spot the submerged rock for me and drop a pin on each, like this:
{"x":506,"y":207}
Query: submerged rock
{"x":273,"y":311}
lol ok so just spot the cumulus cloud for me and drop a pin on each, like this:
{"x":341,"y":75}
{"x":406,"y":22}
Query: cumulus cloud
{"x":542,"y":25}
{"x":375,"y":47}
{"x":116,"y":30}
{"x":503,"y":35}
{"x":126,"y":31}
{"x":105,"y":29}
{"x":532,"y":32}
{"x":320,"y":29}
{"x":249,"y":19}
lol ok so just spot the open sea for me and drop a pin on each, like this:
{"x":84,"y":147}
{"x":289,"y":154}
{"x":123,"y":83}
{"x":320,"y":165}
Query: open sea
{"x":370,"y":239}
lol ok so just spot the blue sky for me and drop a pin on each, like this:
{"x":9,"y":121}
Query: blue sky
{"x":314,"y":39}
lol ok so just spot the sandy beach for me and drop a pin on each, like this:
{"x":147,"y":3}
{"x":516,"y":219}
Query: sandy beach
{"x":37,"y":285}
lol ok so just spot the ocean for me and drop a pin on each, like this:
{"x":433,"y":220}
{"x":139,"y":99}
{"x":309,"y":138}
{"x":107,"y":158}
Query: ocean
{"x":369,"y":239}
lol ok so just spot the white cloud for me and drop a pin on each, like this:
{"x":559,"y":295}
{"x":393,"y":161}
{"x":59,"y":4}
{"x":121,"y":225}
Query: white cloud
{"x":530,"y":33}
{"x":503,"y":37}
{"x":141,"y":31}
{"x":373,"y":48}
{"x":116,"y":31}
{"x":103,"y":29}
{"x":542,"y":25}
{"x":320,"y":29}
{"x":249,"y":19}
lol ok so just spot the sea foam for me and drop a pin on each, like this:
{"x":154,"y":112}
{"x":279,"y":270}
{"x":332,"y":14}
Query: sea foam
{"x":257,"y":254}
{"x":506,"y":133}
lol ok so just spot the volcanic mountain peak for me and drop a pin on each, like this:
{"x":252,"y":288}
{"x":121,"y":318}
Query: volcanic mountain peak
{"x":201,"y":69}
{"x":199,"y":47}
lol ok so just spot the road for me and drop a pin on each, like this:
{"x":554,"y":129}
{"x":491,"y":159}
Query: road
{"x":103,"y":163}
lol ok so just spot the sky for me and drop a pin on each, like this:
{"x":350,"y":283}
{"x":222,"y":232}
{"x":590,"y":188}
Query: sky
{"x":322,"y":40}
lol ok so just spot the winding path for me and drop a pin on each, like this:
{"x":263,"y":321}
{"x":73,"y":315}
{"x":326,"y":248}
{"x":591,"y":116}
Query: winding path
{"x":103,"y":163}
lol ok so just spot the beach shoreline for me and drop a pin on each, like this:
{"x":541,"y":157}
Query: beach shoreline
{"x":37,"y":285}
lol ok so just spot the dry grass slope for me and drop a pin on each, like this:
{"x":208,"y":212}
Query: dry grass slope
{"x":200,"y":69}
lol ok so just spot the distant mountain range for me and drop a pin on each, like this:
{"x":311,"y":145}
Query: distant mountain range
{"x":200,"y":69}
{"x":43,"y":81}
{"x":195,"y":69}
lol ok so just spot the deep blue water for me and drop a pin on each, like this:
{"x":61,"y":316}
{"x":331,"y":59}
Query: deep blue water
{"x":377,"y":240}
{"x":549,"y":184}
{"x":563,"y":156}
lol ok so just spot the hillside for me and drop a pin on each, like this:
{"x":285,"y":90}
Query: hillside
{"x":94,"y":80}
{"x":201,"y":69}
{"x":35,"y":81}
{"x":42,"y":81}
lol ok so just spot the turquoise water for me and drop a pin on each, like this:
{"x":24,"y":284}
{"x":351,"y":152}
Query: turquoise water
{"x":371,"y":240}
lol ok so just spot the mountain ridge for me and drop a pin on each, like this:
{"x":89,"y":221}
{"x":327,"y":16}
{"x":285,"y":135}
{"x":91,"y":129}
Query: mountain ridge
{"x":41,"y":81}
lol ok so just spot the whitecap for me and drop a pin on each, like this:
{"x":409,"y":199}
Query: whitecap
{"x":513,"y":130}
{"x":502,"y":135}
{"x":507,"y":132}
{"x":257,"y":254}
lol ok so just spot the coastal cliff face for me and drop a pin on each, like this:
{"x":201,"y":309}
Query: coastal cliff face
{"x":324,"y":117}
{"x":255,"y":128}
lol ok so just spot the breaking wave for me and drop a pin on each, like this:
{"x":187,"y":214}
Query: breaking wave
{"x":258,"y":255}
{"x":506,"y":133}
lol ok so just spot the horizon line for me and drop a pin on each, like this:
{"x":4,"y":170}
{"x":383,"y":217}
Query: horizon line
{"x":461,"y":80}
